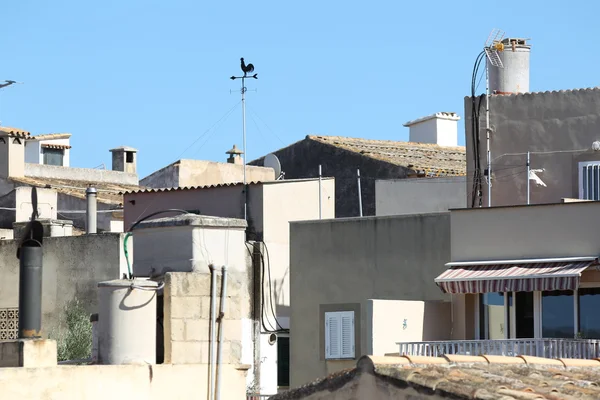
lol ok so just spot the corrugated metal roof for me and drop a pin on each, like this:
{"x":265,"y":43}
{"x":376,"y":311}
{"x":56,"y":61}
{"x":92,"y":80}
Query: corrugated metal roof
{"x":183,"y":188}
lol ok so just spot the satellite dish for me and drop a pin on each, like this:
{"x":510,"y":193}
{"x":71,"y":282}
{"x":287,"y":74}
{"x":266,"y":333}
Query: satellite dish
{"x":271,"y":161}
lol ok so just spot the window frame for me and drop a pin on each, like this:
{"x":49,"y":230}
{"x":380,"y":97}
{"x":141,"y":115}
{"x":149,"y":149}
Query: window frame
{"x":54,"y":152}
{"x":582,"y":171}
{"x":338,"y":316}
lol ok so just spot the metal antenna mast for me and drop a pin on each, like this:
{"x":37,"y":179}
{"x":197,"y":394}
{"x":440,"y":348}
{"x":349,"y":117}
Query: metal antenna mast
{"x":493,"y":45}
{"x":246,"y":68}
{"x":7,"y":83}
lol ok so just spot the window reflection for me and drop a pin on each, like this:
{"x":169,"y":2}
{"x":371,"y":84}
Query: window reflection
{"x":589,"y":304}
{"x":491,"y":319}
{"x":557,"y":314}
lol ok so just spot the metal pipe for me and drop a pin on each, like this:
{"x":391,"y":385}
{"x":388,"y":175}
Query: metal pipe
{"x":244,"y":140}
{"x":528,"y":179}
{"x":487,"y":131}
{"x":213,"y":320}
{"x":91,"y":210}
{"x":360,"y":210}
{"x":320,"y":197}
{"x":30,"y":289}
{"x":220,"y":338}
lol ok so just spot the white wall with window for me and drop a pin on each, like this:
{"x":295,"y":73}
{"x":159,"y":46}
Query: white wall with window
{"x":48,"y":152}
{"x":547,"y":314}
{"x":339,"y":335}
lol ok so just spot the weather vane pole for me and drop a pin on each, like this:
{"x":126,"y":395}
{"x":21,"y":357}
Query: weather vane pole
{"x":246,"y":69}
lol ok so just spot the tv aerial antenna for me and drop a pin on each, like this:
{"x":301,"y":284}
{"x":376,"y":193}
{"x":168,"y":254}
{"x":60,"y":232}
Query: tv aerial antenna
{"x":493,"y":46}
{"x":246,"y":69}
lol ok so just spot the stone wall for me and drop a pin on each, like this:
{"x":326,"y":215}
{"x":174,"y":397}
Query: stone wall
{"x":80,"y":174}
{"x":187,"y":317}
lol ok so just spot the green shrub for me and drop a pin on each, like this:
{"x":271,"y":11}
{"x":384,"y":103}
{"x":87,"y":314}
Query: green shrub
{"x":75,"y":342}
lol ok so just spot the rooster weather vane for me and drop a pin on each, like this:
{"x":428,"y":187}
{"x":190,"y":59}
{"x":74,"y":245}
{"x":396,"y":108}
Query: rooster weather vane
{"x":246,"y":69}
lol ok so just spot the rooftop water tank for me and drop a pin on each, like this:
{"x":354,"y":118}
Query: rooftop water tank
{"x":127,"y":322}
{"x":514,"y":77}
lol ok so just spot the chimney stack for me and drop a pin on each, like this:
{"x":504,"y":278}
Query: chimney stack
{"x":12,"y":152}
{"x":235,"y":156}
{"x":439,"y":128}
{"x":124,"y":159}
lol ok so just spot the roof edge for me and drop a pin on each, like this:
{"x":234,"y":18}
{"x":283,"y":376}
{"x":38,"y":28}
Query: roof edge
{"x":447,"y":115}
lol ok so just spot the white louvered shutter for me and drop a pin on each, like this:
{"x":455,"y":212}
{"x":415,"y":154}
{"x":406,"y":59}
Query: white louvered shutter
{"x":332,"y":335}
{"x":339,"y":335}
{"x":347,"y":333}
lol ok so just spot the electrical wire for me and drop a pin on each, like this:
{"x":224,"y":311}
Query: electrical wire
{"x":135,"y":224}
{"x":271,"y":290}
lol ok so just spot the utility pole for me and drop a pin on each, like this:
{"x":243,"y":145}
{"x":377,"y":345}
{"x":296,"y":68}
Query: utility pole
{"x":245,"y":69}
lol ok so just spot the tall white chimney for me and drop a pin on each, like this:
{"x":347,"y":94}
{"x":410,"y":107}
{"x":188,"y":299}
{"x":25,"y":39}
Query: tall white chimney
{"x":440,"y":128}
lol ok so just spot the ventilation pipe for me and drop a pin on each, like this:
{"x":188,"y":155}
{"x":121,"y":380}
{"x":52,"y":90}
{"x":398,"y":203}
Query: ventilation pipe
{"x":213,"y":323}
{"x":220,"y":339}
{"x":92,"y":210}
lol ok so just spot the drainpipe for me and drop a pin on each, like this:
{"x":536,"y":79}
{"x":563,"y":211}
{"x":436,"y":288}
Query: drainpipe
{"x":220,"y":339}
{"x":320,"y":197}
{"x":359,"y":194}
{"x":92,"y":210}
{"x":213,"y":319}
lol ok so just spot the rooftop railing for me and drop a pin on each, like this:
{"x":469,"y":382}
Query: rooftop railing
{"x":548,"y":348}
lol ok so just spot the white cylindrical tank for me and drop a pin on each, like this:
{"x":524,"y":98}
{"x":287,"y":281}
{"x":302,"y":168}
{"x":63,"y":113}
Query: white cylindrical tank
{"x":127,"y":322}
{"x":514,"y":77}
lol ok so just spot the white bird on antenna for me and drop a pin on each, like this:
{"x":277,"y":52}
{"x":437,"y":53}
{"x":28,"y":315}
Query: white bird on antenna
{"x":533,"y":177}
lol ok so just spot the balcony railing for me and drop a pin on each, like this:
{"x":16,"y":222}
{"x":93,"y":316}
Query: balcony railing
{"x":548,"y":348}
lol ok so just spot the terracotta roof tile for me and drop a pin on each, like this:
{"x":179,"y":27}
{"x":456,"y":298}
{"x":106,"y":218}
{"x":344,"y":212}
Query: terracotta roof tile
{"x":56,"y":146}
{"x":14,"y":132}
{"x":108,"y":193}
{"x":423,"y":158}
{"x":471,"y":378}
{"x":50,"y":136}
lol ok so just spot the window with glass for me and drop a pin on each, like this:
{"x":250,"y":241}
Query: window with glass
{"x":589,"y":304}
{"x":558,"y":320}
{"x":53,"y":156}
{"x":491,"y":316}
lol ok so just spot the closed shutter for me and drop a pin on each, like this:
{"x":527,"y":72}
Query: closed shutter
{"x":339,"y":335}
{"x":590,"y":181}
{"x":283,"y":361}
{"x":347,"y":335}
{"x":332,"y":335}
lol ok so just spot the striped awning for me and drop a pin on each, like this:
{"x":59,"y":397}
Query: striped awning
{"x":513,"y":276}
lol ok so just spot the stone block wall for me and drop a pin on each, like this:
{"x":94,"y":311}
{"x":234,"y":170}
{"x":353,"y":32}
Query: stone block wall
{"x":187,"y":317}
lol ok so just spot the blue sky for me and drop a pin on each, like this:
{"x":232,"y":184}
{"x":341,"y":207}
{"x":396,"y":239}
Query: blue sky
{"x":154,"y":74}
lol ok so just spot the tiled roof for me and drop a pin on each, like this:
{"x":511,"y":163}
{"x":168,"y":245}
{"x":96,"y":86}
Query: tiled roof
{"x":440,"y":115}
{"x":56,"y":146}
{"x":108,"y":193}
{"x":14,"y":131}
{"x":547,"y":92}
{"x":471,"y":377}
{"x":423,"y":158}
{"x":50,"y":136}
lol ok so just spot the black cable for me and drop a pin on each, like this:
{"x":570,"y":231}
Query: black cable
{"x":475,"y":131}
{"x":271,"y":291}
{"x":136,"y":223}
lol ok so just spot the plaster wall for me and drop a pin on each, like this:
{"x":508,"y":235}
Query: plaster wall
{"x":418,"y":196}
{"x":558,"y":127}
{"x":392,"y":321}
{"x":284,"y":203}
{"x":72,"y":268}
{"x":339,"y":264}
{"x":99,"y":382}
{"x":527,"y":232}
{"x":80,"y":174}
{"x":185,"y":173}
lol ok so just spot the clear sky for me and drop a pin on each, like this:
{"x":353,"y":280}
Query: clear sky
{"x":154,"y":75}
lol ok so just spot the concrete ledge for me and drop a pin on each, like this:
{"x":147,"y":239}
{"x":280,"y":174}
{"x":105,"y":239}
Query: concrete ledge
{"x":28,"y":353}
{"x":193,"y":220}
